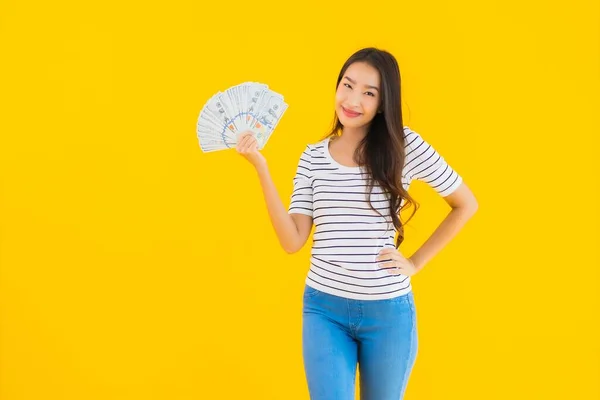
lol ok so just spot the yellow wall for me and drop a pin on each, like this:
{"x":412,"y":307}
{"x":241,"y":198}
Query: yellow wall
{"x":133,"y":266}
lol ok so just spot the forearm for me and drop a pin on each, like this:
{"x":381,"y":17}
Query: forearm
{"x":444,"y":233}
{"x":284,"y":225}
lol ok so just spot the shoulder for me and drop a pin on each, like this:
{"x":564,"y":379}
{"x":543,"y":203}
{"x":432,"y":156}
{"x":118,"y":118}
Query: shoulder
{"x":311,"y":152}
{"x":315,"y":149}
{"x":411,"y":137}
{"x":318,"y":146}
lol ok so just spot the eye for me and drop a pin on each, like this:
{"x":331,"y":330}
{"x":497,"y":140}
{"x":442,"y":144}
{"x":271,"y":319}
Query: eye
{"x":370,"y":94}
{"x":348,"y":86}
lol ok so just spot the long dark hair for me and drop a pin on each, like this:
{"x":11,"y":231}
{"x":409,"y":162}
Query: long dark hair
{"x":381,"y":152}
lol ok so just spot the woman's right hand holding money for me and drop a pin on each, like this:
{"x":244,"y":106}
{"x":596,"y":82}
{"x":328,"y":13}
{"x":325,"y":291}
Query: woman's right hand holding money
{"x":247,"y":146}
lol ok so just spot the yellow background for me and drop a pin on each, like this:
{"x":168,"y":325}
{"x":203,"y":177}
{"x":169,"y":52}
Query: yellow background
{"x":134,"y":266}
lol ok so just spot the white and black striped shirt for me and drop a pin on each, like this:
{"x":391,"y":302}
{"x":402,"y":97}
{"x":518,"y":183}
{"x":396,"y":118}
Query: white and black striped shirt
{"x":348,"y":234}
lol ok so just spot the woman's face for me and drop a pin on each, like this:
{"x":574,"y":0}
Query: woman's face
{"x":357,"y":97}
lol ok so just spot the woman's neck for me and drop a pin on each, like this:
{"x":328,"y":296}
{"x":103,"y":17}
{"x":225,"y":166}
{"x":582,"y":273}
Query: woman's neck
{"x":352,"y":136}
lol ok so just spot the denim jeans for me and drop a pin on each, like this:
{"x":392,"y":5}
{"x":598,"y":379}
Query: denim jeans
{"x":380,"y":336}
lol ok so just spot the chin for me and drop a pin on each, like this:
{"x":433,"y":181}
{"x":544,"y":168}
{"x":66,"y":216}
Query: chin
{"x":352,"y":122}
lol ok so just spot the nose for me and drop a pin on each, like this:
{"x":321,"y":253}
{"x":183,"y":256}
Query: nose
{"x":354,"y":99}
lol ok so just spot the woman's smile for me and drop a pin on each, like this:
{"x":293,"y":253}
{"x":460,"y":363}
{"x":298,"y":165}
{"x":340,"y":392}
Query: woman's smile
{"x":350,"y":114}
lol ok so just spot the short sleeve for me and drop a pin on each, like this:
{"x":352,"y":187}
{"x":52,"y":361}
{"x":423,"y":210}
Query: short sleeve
{"x":302,"y":196}
{"x":424,"y":163}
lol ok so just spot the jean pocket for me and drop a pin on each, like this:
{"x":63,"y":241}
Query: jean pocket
{"x":310,"y":292}
{"x":406,"y":299}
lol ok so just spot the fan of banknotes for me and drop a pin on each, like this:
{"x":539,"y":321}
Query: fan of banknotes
{"x":249,"y":106}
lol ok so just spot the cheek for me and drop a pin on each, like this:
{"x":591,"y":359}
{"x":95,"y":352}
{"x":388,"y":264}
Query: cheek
{"x":370,"y":105}
{"x":339,"y":96}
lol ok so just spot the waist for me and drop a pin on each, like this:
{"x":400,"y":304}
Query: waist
{"x":361,"y":283}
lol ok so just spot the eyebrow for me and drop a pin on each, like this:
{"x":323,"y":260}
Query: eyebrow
{"x":354,"y":83}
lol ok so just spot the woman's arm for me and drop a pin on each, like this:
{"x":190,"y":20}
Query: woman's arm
{"x":292,"y":230}
{"x":464,"y":205}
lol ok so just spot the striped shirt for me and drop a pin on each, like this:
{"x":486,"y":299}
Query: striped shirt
{"x":348,"y":234}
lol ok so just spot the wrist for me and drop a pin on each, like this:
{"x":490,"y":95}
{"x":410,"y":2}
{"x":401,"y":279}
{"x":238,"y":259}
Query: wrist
{"x":416,"y":263}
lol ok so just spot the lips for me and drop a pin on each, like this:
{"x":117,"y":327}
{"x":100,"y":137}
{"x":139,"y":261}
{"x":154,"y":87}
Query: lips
{"x":350,"y":114}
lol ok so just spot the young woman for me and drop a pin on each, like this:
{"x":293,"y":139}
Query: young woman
{"x":358,"y":305}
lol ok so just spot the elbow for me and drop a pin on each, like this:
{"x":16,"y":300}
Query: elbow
{"x":471,"y":208}
{"x":290,"y":249}
{"x":463,"y":200}
{"x":474,"y":206}
{"x":467,"y":210}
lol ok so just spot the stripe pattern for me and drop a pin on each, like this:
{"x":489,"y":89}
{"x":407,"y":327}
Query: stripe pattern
{"x":348,"y":234}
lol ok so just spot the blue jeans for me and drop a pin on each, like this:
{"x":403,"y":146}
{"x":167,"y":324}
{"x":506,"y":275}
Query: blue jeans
{"x":339,"y":333}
